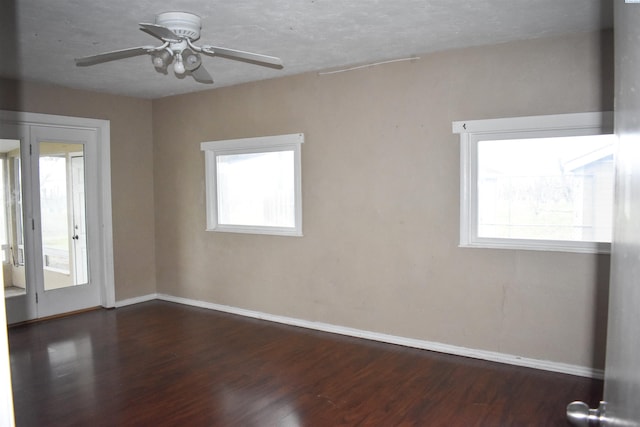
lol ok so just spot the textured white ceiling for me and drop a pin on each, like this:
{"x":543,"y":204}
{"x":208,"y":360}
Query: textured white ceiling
{"x":308,"y":35}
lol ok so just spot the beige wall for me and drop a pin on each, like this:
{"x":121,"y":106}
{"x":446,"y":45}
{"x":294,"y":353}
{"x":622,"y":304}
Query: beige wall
{"x":380,"y":202}
{"x":132,"y":170}
{"x":380,"y":198}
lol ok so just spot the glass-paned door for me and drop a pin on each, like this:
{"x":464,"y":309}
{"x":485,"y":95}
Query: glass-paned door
{"x":65,"y":160}
{"x":19,"y":294}
{"x":44,"y":176}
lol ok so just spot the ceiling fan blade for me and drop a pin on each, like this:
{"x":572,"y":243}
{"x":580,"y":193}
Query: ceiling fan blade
{"x":112,"y":56}
{"x":201,"y":75}
{"x":239,"y":55}
{"x":161,"y":32}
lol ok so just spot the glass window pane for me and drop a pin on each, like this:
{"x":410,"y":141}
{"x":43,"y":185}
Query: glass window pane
{"x":54,"y":211}
{"x":546,"y":188}
{"x":16,"y":191}
{"x":4,"y":226}
{"x":62,"y":205}
{"x":11,"y":219}
{"x":256,"y":189}
{"x":3,"y":218}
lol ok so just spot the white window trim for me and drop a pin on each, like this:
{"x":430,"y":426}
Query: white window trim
{"x":212,"y":149}
{"x":471,"y":131}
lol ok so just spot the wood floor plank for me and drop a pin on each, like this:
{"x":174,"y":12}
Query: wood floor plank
{"x":160,"y":363}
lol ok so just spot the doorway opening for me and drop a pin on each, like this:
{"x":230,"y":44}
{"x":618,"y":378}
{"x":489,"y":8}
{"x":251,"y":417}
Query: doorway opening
{"x":55,"y":225}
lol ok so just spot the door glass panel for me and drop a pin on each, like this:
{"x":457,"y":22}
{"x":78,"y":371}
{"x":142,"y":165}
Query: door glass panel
{"x":64,"y":255}
{"x":11,"y":231}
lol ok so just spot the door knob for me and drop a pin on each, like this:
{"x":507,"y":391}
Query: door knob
{"x":580,"y":415}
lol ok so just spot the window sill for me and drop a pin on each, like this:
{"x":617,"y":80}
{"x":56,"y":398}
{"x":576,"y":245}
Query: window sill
{"x":540,"y":245}
{"x":273,"y":231}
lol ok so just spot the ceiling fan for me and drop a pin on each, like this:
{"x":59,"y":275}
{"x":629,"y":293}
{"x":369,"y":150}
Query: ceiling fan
{"x":178,"y":31}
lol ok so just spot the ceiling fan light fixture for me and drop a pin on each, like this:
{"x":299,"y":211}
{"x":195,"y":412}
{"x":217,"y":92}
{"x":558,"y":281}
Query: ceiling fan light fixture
{"x":191,"y":60}
{"x":161,"y":59}
{"x":178,"y":67}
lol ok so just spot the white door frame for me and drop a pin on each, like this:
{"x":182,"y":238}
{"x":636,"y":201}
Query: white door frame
{"x":105,"y":272}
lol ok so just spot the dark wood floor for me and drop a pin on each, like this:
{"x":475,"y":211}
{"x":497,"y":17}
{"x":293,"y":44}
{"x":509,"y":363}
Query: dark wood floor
{"x":159,"y":363}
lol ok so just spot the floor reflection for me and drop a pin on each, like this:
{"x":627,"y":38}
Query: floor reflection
{"x":71,"y":357}
{"x":60,"y":368}
{"x":270,"y":409}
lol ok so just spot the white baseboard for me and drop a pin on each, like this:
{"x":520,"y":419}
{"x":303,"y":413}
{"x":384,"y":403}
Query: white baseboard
{"x":136,"y":300}
{"x":492,"y":356}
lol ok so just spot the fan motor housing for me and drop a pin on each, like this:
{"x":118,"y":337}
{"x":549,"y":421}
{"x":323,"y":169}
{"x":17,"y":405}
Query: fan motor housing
{"x":183,"y":24}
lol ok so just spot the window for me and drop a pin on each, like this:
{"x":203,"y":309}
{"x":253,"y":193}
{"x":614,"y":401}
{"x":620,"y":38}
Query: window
{"x":541,"y":183}
{"x":253,"y":185}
